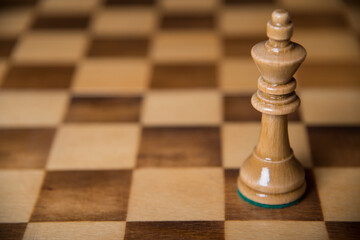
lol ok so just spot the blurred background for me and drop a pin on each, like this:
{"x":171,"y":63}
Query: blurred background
{"x":133,"y":86}
{"x":128,"y":47}
{"x":183,"y":31}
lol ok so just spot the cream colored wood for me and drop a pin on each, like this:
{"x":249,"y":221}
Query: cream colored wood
{"x":177,"y":194}
{"x":109,"y":230}
{"x":182,"y":108}
{"x":279,"y":230}
{"x":272,"y":175}
{"x":18,"y":193}
{"x":32,"y":108}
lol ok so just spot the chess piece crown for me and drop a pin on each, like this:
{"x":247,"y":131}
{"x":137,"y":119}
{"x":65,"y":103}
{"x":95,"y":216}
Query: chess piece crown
{"x":277,"y":60}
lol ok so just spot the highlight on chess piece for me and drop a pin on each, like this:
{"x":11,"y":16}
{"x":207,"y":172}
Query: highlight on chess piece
{"x":272,"y":177}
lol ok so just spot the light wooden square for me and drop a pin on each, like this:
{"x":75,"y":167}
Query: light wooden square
{"x":238,"y":75}
{"x":54,"y":47}
{"x":67,"y":6}
{"x":299,"y":142}
{"x":188,"y":6}
{"x":125,"y":21}
{"x":331,"y":106}
{"x":98,"y":146}
{"x":35,"y":109}
{"x":245,"y":20}
{"x":183,"y":46}
{"x":182,"y":108}
{"x":75,"y":230}
{"x":14,"y":21}
{"x":112,"y":76}
{"x":339,"y":193}
{"x":177,"y":194}
{"x":18,"y":193}
{"x":324,"y":45}
{"x":239,"y":141}
{"x":280,"y":230}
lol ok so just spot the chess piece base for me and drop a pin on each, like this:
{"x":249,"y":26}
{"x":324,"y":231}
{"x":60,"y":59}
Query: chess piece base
{"x":267,"y":200}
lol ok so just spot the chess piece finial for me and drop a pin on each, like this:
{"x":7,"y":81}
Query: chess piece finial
{"x":271,"y":176}
{"x":280,"y":26}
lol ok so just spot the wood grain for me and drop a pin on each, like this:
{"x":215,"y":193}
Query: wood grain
{"x":39,"y":77}
{"x":61,"y":22}
{"x":83,"y":196}
{"x":25,"y":148}
{"x":279,"y":230}
{"x":239,"y":46}
{"x":180,"y":147}
{"x":6,"y":47}
{"x":117,"y":47}
{"x":239,"y":2}
{"x":175,"y":230}
{"x":129,"y":2}
{"x":108,"y":230}
{"x":335,"y":146}
{"x":194,"y":21}
{"x":12,"y":231}
{"x":18,"y":3}
{"x":99,"y":109}
{"x":343,"y":230}
{"x":184,"y":76}
{"x":329,"y":75}
{"x":238,"y":108}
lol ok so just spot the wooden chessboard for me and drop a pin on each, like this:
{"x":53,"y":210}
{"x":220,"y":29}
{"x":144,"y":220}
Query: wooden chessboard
{"x":130,"y":118}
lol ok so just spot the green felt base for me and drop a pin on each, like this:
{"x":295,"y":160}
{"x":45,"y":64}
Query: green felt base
{"x":267,"y":205}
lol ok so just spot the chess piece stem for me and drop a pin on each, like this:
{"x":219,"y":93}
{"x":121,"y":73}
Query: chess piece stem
{"x":272,"y":177}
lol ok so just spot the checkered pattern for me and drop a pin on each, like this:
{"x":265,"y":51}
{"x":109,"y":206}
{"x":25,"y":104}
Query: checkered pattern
{"x":130,"y":118}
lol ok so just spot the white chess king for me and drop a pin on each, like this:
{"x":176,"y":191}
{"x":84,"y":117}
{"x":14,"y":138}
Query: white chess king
{"x":272,"y":177}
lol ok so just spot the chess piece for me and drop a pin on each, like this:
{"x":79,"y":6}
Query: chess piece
{"x":272,"y":177}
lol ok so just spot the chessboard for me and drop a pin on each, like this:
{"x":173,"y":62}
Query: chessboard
{"x":129,"y":119}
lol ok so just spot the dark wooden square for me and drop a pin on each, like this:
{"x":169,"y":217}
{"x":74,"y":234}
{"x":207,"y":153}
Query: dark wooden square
{"x":335,"y":146}
{"x":130,"y":2}
{"x":83,"y":196}
{"x":343,"y":230}
{"x":255,"y":2}
{"x":38,"y":77}
{"x":352,"y":3}
{"x":188,"y":21}
{"x":119,"y":47}
{"x":331,"y":73}
{"x":308,"y":209}
{"x":239,"y":108}
{"x":240,"y":46}
{"x":6,"y":47}
{"x":104,"y":109}
{"x":174,"y":230}
{"x":61,"y":22}
{"x":184,"y":76}
{"x":25,"y":148}
{"x":12,"y":231}
{"x":180,"y":147}
{"x":17,"y":3}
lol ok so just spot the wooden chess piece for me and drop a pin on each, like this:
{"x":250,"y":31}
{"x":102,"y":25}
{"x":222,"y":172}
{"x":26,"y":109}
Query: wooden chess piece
{"x":272,"y":177}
